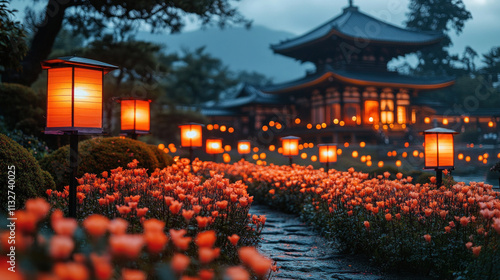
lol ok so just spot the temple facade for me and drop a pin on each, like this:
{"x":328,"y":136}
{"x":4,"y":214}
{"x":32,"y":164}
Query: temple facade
{"x":350,"y":96}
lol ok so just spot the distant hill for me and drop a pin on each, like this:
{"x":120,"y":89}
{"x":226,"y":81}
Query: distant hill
{"x":239,"y":48}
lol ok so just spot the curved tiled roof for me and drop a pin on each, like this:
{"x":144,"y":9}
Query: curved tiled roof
{"x":355,"y":25}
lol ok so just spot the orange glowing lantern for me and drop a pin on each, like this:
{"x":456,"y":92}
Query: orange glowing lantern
{"x":290,"y":145}
{"x":327,"y":153}
{"x":74,"y":95}
{"x":135,"y":116}
{"x":244,"y":147}
{"x":439,"y":150}
{"x":191,"y":136}
{"x":74,"y":105}
{"x":214,"y":146}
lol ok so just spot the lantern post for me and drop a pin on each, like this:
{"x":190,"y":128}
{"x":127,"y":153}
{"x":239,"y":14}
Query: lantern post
{"x":74,"y":105}
{"x":135,"y":116}
{"x":191,"y":137}
{"x":213,"y":147}
{"x":290,"y":145}
{"x":244,"y":147}
{"x":327,"y":154}
{"x":439,"y":151}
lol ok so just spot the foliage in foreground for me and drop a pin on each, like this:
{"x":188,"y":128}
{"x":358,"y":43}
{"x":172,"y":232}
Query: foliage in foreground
{"x":446,"y":232}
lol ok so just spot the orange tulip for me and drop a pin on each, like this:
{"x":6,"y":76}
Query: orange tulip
{"x":222,"y":205}
{"x":206,"y":239}
{"x":388,"y":217}
{"x":496,"y":225}
{"x":70,"y":271}
{"x":155,"y":241}
{"x":206,"y":274}
{"x":237,"y":273}
{"x":61,"y":246}
{"x":207,"y":255}
{"x":367,"y":224}
{"x":126,"y":245}
{"x":175,"y":207}
{"x":118,"y":226}
{"x":26,"y":221}
{"x":102,"y":267}
{"x":187,"y":214}
{"x":476,"y":250}
{"x":427,"y":238}
{"x":133,"y":274}
{"x":202,"y":221}
{"x":38,"y":207}
{"x":123,"y":209}
{"x":233,"y":239}
{"x":141,"y":212}
{"x":153,"y":226}
{"x":96,"y":225}
{"x":179,"y":240}
{"x":64,"y":226}
{"x":179,"y":263}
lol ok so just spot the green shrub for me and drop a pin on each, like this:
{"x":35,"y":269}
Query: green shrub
{"x":163,"y":158}
{"x":102,"y":154}
{"x":30,"y":179}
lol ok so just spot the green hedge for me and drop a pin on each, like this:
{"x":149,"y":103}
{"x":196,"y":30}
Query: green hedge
{"x":103,"y":154}
{"x":30,"y":180}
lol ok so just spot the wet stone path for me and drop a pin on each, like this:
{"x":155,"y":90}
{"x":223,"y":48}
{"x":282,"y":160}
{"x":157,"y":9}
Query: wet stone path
{"x":303,"y":254}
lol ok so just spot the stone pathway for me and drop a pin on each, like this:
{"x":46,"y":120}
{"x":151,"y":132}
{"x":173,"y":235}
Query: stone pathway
{"x":302,"y":254}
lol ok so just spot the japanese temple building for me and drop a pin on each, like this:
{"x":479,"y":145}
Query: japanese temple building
{"x":351,"y":95}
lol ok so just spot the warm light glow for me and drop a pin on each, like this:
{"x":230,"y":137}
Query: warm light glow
{"x":255,"y":157}
{"x":398,"y":163}
{"x":404,"y":154}
{"x":421,"y":155}
{"x":265,"y":128}
{"x":460,"y":156}
{"x":323,"y":125}
{"x":271,"y":123}
{"x":466,"y":120}
{"x":255,"y":149}
{"x":280,"y":150}
{"x":407,"y":144}
{"x":327,"y":153}
{"x":303,"y":155}
{"x":290,"y":145}
{"x":394,"y":153}
{"x":227,"y":148}
{"x":309,"y":126}
{"x":278,"y":126}
{"x":230,"y":130}
{"x":368,"y":157}
{"x":369,"y":163}
{"x":87,"y":103}
{"x":445,"y":121}
{"x":210,"y":127}
{"x":370,"y":119}
{"x":272,"y":148}
{"x":490,"y":124}
{"x":223,"y":128}
{"x":355,"y":154}
{"x":216,"y":126}
{"x":244,"y":147}
{"x":336,"y":121}
{"x":362,"y":144}
{"x":439,"y":151}
{"x":342,"y":123}
{"x":354,"y":118}
{"x":297,"y":121}
{"x":226,"y":157}
{"x":389,"y":153}
{"x":498,"y":155}
{"x":427,"y":120}
{"x":301,"y":147}
{"x":262,"y":155}
{"x":135,"y":116}
{"x":415,"y":153}
{"x":363,"y":158}
{"x":339,"y":152}
{"x":467,"y":158}
{"x":486,"y":155}
{"x":480,"y":158}
{"x":346,"y":144}
{"x":380,"y":164}
{"x":191,"y":135}
{"x":314,"y":158}
{"x":173,"y":149}
{"x":166,"y":150}
{"x":161,"y":146}
{"x":485,"y":161}
{"x":214,"y":146}
{"x":318,"y":126}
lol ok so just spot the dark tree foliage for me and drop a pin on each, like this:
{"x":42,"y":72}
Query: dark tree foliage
{"x":492,"y":61}
{"x":437,"y":15}
{"x":12,"y":39}
{"x":91,"y":17}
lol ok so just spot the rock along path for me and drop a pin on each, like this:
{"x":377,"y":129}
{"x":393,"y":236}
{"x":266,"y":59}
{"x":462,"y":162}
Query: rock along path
{"x":303,"y":254}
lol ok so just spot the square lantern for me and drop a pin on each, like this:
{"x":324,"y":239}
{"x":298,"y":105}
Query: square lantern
{"x":135,"y":116}
{"x":439,"y":150}
{"x":244,"y":147}
{"x":191,"y":135}
{"x":74,"y":105}
{"x":327,"y":153}
{"x":214,"y":146}
{"x":290,"y":145}
{"x":74,"y":95}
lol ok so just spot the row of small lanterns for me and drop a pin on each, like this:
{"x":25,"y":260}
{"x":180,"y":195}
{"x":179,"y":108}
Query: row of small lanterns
{"x":74,"y":107}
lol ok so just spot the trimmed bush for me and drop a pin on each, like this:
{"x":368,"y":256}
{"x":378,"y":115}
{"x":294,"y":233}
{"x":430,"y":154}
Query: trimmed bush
{"x":102,"y":154}
{"x":30,"y":180}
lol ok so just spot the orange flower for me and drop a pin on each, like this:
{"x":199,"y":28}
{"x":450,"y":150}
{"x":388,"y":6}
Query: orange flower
{"x":206,"y":255}
{"x":154,"y":226}
{"x":123,"y":209}
{"x":206,"y":274}
{"x":142,"y":211}
{"x":155,"y":241}
{"x":102,"y":267}
{"x":496,"y":225}
{"x":259,"y":264}
{"x":179,"y":263}
{"x":169,"y":200}
{"x":428,"y":212}
{"x":38,"y":207}
{"x":237,"y":273}
{"x":187,"y":214}
{"x":464,"y":221}
{"x":118,"y":226}
{"x":233,"y":239}
{"x":433,"y":179}
{"x":388,"y":217}
{"x":447,"y":229}
{"x":468,"y":245}
{"x":26,"y":221}
{"x":71,"y":271}
{"x":272,"y":191}
{"x":206,"y":239}
{"x":476,"y":250}
{"x":96,"y":225}
{"x":126,"y":245}
{"x":197,"y":209}
{"x":243,"y":201}
{"x":104,"y":174}
{"x":221,"y":204}
{"x":133,"y":274}
{"x":61,"y":247}
{"x":367,"y":224}
{"x":427,"y":238}
{"x":175,"y":207}
{"x":179,"y":240}
{"x":64,"y":226}
{"x":103,"y":201}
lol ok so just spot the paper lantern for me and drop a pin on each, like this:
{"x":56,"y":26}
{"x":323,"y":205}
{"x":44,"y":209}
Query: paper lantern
{"x":439,"y":150}
{"x":290,"y":146}
{"x":244,"y":147}
{"x":74,"y":95}
{"x":191,"y":135}
{"x":214,"y":146}
{"x":135,"y":116}
{"x":327,"y":153}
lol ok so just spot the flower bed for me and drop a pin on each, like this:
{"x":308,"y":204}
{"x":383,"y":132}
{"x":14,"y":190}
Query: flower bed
{"x":169,"y":224}
{"x":446,"y":232}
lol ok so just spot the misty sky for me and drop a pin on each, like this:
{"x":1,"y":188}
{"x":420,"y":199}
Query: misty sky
{"x":298,"y":16}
